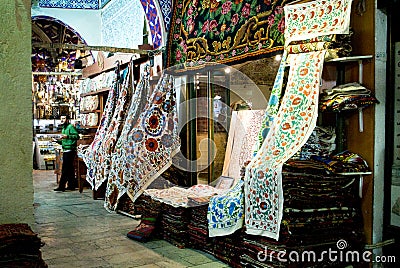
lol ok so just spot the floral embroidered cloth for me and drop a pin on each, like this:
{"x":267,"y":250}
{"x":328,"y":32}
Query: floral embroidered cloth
{"x":207,"y":32}
{"x":89,"y":152}
{"x":122,"y":146}
{"x":273,"y":104}
{"x":316,"y":18}
{"x":103,"y":155}
{"x":151,"y":144}
{"x":226,"y":212}
{"x":242,"y":137}
{"x":179,"y":196}
{"x":292,"y":126}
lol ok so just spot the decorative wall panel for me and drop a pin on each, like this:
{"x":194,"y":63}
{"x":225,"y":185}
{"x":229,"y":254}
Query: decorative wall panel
{"x":73,"y":4}
{"x":123,"y":23}
{"x":166,"y":10}
{"x":154,"y":22}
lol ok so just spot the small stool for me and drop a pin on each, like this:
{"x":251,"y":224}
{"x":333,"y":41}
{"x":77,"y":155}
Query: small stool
{"x":49,"y":163}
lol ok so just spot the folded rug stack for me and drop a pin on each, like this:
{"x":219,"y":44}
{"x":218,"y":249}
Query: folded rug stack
{"x":149,"y":224}
{"x":229,"y":248}
{"x":174,"y":225}
{"x":198,"y":229}
{"x":321,"y":214}
{"x":20,"y":247}
{"x":346,"y":97}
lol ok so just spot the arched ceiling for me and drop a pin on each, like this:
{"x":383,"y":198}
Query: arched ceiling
{"x":46,"y":30}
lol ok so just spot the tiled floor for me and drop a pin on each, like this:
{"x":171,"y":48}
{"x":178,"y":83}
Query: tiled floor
{"x":79,"y":232}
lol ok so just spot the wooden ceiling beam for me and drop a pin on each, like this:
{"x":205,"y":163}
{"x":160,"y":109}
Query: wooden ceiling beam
{"x":95,"y":48}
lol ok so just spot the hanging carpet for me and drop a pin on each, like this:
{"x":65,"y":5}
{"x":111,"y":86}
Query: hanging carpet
{"x":119,"y":155}
{"x":103,"y":156}
{"x":205,"y":32}
{"x":88,"y":153}
{"x":151,"y":144}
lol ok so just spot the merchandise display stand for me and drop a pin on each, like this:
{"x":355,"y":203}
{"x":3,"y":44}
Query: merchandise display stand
{"x":341,"y":64}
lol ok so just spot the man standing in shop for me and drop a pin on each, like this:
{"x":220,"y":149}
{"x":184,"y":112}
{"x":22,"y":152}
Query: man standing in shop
{"x":68,"y":141}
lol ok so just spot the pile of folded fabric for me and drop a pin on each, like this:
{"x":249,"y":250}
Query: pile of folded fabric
{"x":198,"y":229}
{"x":321,"y":142}
{"x":229,"y":248}
{"x":149,"y":224}
{"x":349,"y":96}
{"x":322,"y":212}
{"x":174,"y":225}
{"x":20,"y":246}
{"x":343,"y":162}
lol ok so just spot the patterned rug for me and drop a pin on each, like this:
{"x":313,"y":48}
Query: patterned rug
{"x":103,"y":156}
{"x":316,"y":18}
{"x":151,"y":144}
{"x":88,"y":153}
{"x":207,"y":32}
{"x":119,"y":155}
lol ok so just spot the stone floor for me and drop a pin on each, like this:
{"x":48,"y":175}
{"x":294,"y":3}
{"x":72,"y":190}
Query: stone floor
{"x":79,"y":232}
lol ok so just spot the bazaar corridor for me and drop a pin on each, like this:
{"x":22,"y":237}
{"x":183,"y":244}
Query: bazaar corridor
{"x":79,"y":232}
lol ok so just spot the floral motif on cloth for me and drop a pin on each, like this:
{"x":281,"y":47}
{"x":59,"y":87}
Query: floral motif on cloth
{"x":273,"y":104}
{"x":242,"y":137}
{"x":89,"y":152}
{"x":179,"y":196}
{"x":205,"y":32}
{"x":316,"y":18}
{"x":293,"y":124}
{"x":226,"y":212}
{"x":103,"y":155}
{"x":152,"y":143}
{"x":121,"y":150}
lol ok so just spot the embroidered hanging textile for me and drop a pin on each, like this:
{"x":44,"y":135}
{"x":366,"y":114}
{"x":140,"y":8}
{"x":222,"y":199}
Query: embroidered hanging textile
{"x":119,"y":155}
{"x":205,"y":32}
{"x":103,"y":155}
{"x":242,"y":137}
{"x":152,"y":143}
{"x":89,"y":152}
{"x":292,"y":126}
{"x":273,"y":104}
{"x":316,"y":18}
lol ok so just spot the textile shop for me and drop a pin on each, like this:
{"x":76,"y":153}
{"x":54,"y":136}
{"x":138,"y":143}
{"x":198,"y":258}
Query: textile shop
{"x":237,"y":138}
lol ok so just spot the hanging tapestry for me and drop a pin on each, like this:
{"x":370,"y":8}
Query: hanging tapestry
{"x":152,"y":143}
{"x":273,"y":104}
{"x":89,"y":152}
{"x":103,"y":154}
{"x":316,"y":18}
{"x":210,"y":32}
{"x":292,"y":126}
{"x":242,"y":136}
{"x":122,"y":147}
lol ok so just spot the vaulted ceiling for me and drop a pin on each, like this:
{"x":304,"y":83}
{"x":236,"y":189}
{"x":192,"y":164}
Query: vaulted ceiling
{"x":50,"y":31}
